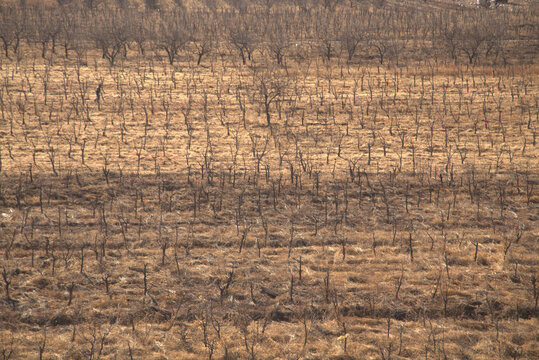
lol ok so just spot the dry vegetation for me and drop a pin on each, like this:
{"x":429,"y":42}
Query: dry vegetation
{"x":259,"y":180}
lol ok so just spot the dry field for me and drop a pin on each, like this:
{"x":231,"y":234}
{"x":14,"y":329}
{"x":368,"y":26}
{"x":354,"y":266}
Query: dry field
{"x":320,"y":208}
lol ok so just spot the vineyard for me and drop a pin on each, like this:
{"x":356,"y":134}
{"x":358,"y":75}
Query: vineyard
{"x":235,"y":179}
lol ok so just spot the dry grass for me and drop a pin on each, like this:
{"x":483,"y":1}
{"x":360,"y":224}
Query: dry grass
{"x":220,"y":211}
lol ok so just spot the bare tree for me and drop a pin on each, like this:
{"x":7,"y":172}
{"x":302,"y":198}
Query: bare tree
{"x":91,"y":4}
{"x":12,"y":27}
{"x":204,"y":35}
{"x":396,"y":47}
{"x":267,"y":5}
{"x":240,"y":6}
{"x":242,"y":37}
{"x":495,"y":30}
{"x":351,"y":35}
{"x":450,"y":39}
{"x":172,"y":35}
{"x":382,"y":48}
{"x":305,"y":6}
{"x":331,"y":5}
{"x":270,"y":86}
{"x":71,"y":25}
{"x":45,"y":26}
{"x":326,"y":34}
{"x":141,"y":28}
{"x":151,"y":5}
{"x":471,"y":37}
{"x":278,"y":40}
{"x":111,"y":34}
